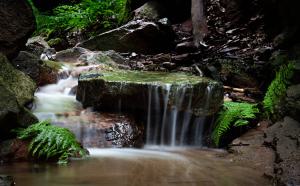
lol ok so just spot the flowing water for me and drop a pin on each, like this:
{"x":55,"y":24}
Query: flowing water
{"x":151,"y":166}
{"x":128,"y":167}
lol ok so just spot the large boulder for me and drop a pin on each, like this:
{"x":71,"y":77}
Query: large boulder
{"x":40,"y":71}
{"x":16,"y":90}
{"x":176,"y":108}
{"x":16,"y":81}
{"x":133,"y":89}
{"x":284,"y":138}
{"x":17,"y":24}
{"x":136,"y":36}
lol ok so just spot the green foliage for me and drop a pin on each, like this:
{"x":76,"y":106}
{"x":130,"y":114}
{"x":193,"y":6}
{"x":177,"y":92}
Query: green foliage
{"x":106,"y":13}
{"x":277,"y":88}
{"x":233,"y":114}
{"x":48,"y":141}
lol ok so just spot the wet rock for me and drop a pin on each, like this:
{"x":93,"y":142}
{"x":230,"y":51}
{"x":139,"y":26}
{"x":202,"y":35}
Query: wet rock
{"x":102,"y":130}
{"x":6,"y":180}
{"x":292,"y":103}
{"x":15,"y":30}
{"x":16,"y":81}
{"x":124,"y":134}
{"x":36,"y":45}
{"x":40,"y":71}
{"x":284,"y":138}
{"x":136,"y":36}
{"x":14,"y":150}
{"x":109,"y":88}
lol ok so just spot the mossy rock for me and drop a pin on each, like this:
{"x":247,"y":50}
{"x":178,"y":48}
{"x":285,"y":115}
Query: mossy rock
{"x":16,"y":81}
{"x":106,"y":90}
{"x":12,"y":115}
{"x":42,"y":72}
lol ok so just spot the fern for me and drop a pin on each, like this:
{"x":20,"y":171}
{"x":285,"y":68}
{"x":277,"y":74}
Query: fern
{"x":107,"y":13}
{"x":48,"y":141}
{"x":233,"y":114}
{"x":277,"y":89}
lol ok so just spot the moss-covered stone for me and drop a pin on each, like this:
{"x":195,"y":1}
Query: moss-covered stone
{"x":12,"y":115}
{"x":130,"y":91}
{"x":16,"y":81}
{"x":42,"y":72}
{"x":56,"y":66}
{"x":54,"y":42}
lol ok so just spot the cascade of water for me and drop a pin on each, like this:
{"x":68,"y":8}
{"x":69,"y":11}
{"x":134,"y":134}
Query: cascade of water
{"x":186,"y":119}
{"x":171,"y":121}
{"x":164,"y":119}
{"x":149,"y":114}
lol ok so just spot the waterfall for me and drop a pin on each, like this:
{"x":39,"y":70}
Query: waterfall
{"x":168,"y":124}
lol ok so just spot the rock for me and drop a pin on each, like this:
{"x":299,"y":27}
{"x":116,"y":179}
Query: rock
{"x":284,"y":138}
{"x":292,"y":101}
{"x":249,"y":148}
{"x":12,"y":115}
{"x":14,"y":150}
{"x":17,"y":82}
{"x":136,"y":36}
{"x":15,"y":30}
{"x":36,"y":45}
{"x":6,"y":180}
{"x":152,"y":11}
{"x":105,"y":90}
{"x":48,"y":54}
{"x":125,"y":134}
{"x":103,"y":130}
{"x":70,"y":55}
{"x":110,"y":58}
{"x":38,"y":70}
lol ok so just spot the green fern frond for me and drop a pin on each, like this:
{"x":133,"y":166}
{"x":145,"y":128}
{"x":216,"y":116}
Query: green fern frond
{"x":48,"y":141}
{"x":277,"y":89}
{"x":233,"y":114}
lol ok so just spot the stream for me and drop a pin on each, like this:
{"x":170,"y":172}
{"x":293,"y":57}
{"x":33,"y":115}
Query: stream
{"x":154,"y":164}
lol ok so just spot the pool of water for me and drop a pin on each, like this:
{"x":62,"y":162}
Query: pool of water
{"x":130,"y":167}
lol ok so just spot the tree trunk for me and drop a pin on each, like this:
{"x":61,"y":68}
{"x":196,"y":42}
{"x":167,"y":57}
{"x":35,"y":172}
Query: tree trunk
{"x":200,"y":29}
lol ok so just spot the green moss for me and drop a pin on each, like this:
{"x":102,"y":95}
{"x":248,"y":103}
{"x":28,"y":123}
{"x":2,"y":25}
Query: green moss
{"x":16,"y":81}
{"x":53,"y":65}
{"x":145,"y":77}
{"x":277,"y":89}
{"x":54,"y":42}
{"x":233,"y":114}
{"x":48,"y":141}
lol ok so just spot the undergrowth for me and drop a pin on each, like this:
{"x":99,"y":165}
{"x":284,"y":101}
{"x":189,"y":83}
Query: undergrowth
{"x":51,"y":142}
{"x":106,"y":13}
{"x":233,"y":114}
{"x":277,"y":89}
